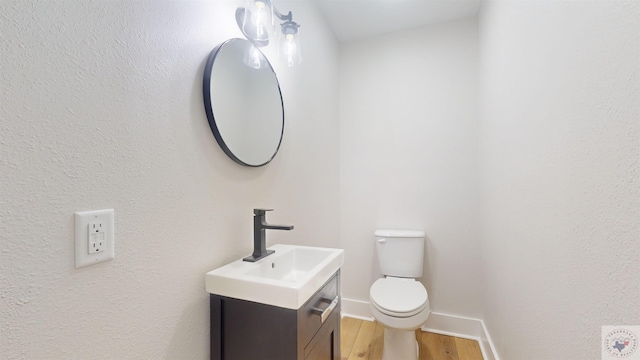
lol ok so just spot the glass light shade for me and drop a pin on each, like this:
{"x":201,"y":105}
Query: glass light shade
{"x":258,"y":19}
{"x":253,"y":58}
{"x":290,"y":51}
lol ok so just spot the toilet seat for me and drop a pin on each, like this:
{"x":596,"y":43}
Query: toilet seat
{"x":398,"y":297}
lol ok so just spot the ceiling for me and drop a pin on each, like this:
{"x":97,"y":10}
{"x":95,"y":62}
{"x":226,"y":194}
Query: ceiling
{"x":358,"y":19}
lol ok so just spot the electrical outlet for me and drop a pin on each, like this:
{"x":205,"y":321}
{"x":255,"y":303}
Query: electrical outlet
{"x":94,"y":237}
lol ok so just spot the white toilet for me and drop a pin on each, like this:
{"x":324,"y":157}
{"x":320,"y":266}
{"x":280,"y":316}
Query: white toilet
{"x":398,"y":301}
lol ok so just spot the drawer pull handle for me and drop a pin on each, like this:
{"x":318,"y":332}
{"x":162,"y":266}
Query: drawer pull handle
{"x":324,"y":314}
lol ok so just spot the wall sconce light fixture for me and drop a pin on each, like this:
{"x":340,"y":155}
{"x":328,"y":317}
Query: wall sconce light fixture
{"x":257,"y":20}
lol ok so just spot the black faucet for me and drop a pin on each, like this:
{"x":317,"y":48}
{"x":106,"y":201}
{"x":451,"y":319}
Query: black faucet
{"x":259,"y":235}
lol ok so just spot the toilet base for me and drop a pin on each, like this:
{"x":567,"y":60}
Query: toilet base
{"x":399,"y":345}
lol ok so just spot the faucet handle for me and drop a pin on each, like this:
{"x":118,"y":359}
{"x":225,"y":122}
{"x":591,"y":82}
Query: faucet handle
{"x":260,"y":212}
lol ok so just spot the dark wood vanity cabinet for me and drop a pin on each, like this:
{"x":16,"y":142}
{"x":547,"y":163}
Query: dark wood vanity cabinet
{"x":245,"y":330}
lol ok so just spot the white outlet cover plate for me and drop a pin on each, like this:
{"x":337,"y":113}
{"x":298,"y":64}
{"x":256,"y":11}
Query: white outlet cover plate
{"x":82,"y":220}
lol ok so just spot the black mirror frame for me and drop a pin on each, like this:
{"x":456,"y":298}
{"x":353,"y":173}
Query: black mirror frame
{"x":206,"y":93}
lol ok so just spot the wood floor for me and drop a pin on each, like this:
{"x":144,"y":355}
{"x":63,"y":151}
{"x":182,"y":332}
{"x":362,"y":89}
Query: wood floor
{"x":363,"y":340}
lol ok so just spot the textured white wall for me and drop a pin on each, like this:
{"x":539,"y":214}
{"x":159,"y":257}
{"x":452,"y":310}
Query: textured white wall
{"x":102,"y":108}
{"x":408,"y":137}
{"x":560,"y":160}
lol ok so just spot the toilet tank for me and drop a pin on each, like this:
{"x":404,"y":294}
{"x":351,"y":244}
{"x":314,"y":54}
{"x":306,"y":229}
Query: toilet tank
{"x":400,"y":252}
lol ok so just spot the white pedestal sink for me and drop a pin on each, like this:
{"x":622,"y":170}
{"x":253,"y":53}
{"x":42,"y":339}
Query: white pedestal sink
{"x":287,"y":278}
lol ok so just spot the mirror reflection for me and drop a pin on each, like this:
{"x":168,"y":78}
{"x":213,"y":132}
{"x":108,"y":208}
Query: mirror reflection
{"x":243,"y":102}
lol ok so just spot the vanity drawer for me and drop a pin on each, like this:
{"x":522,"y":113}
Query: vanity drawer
{"x":245,"y":330}
{"x":317,"y":310}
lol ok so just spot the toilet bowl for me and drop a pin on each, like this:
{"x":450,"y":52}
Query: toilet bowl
{"x":400,"y":305}
{"x":398,"y":301}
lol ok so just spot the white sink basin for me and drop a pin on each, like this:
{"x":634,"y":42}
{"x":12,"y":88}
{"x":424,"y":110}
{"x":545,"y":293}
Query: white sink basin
{"x":286,"y":278}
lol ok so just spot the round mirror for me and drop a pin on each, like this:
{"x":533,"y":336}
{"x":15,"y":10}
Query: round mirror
{"x":243,"y":102}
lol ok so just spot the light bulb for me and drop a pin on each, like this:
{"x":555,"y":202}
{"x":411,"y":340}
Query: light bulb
{"x":290,"y":44}
{"x":257,"y":21}
{"x":290,"y":50}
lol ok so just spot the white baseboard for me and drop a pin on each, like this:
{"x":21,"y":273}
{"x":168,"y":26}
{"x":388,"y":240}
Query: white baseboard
{"x":462,"y":327}
{"x":356,"y":309}
{"x":445,"y":324}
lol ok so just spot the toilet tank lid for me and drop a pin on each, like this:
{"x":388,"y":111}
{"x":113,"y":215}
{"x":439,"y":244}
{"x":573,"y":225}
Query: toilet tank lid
{"x":400,"y":233}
